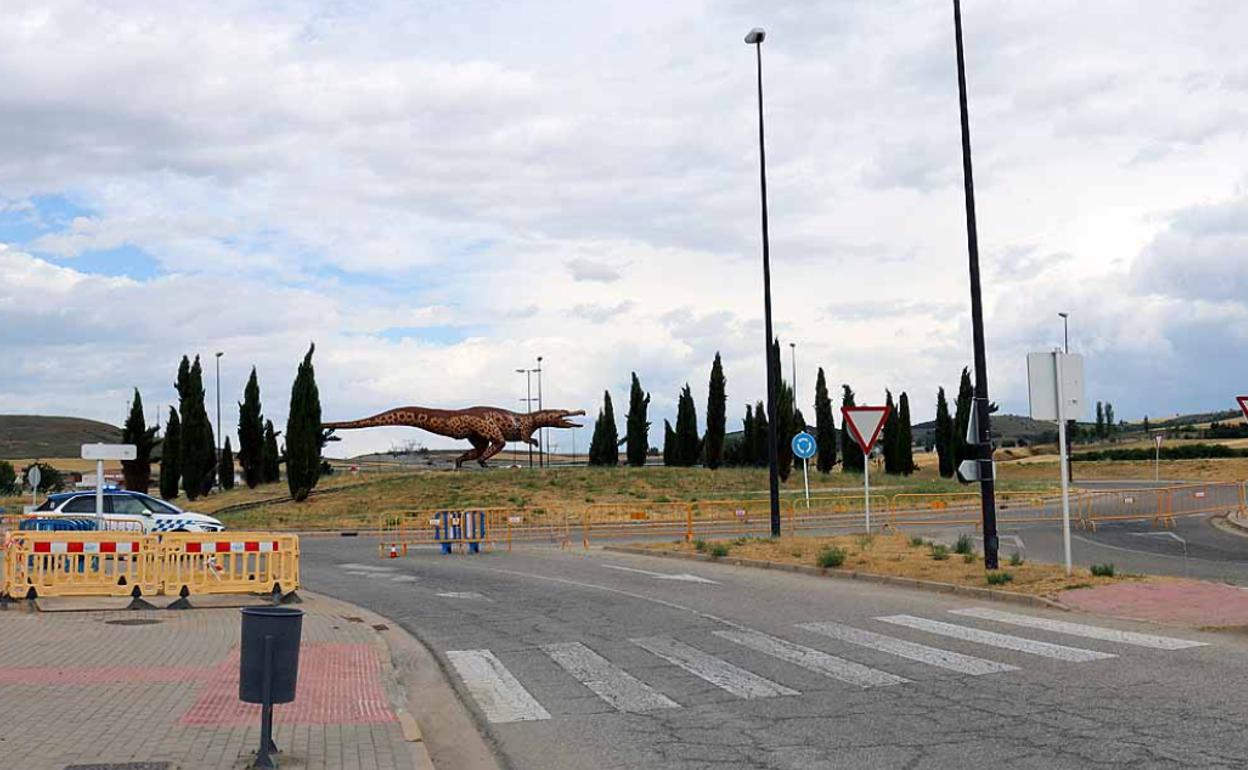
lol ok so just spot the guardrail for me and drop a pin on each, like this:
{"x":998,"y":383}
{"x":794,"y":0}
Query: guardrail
{"x":46,"y":564}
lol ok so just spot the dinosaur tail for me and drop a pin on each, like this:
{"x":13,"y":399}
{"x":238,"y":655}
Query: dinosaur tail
{"x":389,"y":417}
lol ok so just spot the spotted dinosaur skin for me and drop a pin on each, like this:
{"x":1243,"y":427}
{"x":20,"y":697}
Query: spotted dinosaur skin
{"x":487,"y":428}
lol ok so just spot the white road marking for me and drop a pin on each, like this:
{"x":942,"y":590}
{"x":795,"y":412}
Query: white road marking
{"x":1079,"y":629}
{"x":1005,"y":641}
{"x":365,"y":567}
{"x":613,"y":684}
{"x":460,"y":595}
{"x":687,"y":578}
{"x":933,"y":656}
{"x":812,"y":660}
{"x":404,"y":579}
{"x":368,"y":575}
{"x":720,"y":673}
{"x":499,"y":694}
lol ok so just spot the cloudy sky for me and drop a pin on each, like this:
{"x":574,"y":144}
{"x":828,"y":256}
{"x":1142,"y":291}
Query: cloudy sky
{"x":437,"y":193}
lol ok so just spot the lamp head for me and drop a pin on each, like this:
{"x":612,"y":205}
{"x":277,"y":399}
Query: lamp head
{"x":756,"y":36}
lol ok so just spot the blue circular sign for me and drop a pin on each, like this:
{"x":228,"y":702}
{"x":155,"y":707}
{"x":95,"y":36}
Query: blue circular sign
{"x":804,"y":446}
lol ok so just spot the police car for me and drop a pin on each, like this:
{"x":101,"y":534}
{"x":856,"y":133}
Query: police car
{"x":126,"y":510}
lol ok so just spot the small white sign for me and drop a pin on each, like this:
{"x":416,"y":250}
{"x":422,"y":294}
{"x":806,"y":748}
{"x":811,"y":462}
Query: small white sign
{"x":34,"y":477}
{"x":1042,"y":385}
{"x":515,"y":519}
{"x":109,"y":452}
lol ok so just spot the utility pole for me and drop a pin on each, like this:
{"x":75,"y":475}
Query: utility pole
{"x":219,"y":354}
{"x":541,"y":432}
{"x":987,"y":484}
{"x":528,"y":402}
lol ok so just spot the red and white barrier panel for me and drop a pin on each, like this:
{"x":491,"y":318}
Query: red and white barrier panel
{"x":241,"y":546}
{"x":45,"y":547}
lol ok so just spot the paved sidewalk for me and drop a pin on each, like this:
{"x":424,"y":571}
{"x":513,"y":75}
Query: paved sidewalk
{"x":93,"y":688}
{"x":1183,"y":602}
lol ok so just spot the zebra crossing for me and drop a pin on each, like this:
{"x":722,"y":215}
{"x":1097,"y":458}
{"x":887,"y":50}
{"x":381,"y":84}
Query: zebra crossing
{"x":503,"y":699}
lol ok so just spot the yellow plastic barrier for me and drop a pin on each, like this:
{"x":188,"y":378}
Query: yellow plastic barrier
{"x":80,"y":564}
{"x":229,"y":563}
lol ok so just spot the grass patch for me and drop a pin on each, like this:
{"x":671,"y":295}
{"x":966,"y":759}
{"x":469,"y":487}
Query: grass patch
{"x":1016,"y":559}
{"x":940,"y":551}
{"x":830,"y":557}
{"x":916,"y":541}
{"x":970,"y":558}
{"x":1103,"y":570}
{"x":999,"y":578}
{"x":718,"y":551}
{"x":964,"y":545}
{"x":699,"y":546}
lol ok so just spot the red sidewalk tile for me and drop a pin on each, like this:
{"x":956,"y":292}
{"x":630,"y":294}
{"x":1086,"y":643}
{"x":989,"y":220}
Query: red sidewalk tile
{"x":1189,"y":602}
{"x":338,"y":684}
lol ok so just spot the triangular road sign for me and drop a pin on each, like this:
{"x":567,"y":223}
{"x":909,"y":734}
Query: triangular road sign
{"x":1243,"y":404}
{"x":865,"y":423}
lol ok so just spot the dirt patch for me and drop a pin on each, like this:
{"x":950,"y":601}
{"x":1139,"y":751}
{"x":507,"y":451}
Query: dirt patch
{"x":900,"y":556}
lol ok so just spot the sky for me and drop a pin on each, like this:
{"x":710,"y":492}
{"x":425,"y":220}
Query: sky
{"x":438,"y":193}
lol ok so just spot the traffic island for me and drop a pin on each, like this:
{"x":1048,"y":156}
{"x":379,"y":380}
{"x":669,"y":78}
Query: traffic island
{"x":893,"y":558}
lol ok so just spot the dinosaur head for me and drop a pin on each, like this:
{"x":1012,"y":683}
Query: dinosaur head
{"x":556,"y":418}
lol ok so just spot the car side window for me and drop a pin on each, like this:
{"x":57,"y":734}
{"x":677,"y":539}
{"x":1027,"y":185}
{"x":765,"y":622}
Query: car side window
{"x":129,"y":506}
{"x":80,"y":504}
{"x":47,"y":505}
{"x":157,"y":507}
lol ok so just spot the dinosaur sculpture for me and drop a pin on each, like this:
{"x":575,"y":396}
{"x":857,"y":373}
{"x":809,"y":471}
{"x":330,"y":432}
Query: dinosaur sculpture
{"x":487,"y":428}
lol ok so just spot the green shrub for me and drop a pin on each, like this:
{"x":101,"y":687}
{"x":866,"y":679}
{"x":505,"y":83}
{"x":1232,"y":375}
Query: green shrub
{"x":964,"y":545}
{"x":1016,"y":560}
{"x":940,"y":551}
{"x":999,"y":578}
{"x":1103,"y":570}
{"x":916,"y":541}
{"x":699,"y":545}
{"x":970,"y":558}
{"x":830,"y":557}
{"x":719,"y":550}
{"x":865,"y":541}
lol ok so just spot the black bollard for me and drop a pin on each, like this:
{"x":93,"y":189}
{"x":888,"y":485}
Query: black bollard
{"x":269,"y":667}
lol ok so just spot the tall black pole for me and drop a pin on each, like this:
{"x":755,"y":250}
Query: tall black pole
{"x":773,"y":459}
{"x":987,"y":485}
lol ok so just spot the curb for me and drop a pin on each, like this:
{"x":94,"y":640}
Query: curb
{"x":1230,"y":523}
{"x":432,"y":717}
{"x":990,"y":594}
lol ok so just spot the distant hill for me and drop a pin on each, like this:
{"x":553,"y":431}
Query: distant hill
{"x":35,"y":436}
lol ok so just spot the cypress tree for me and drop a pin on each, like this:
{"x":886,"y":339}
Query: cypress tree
{"x":170,"y":454}
{"x":225,"y":468}
{"x":1110,"y":426}
{"x":748,"y":451}
{"x":785,"y":428}
{"x":716,"y":416}
{"x":905,"y":437}
{"x":851,"y":453}
{"x":1146,"y":428}
{"x":889,"y":439}
{"x":669,"y":445}
{"x":1100,"y":420}
{"x":825,"y":426}
{"x":197,"y":455}
{"x":944,"y":435}
{"x":637,"y":428}
{"x":962,"y":420}
{"x":138,"y":472}
{"x":686,"y":429}
{"x":271,"y":457}
{"x":604,"y":447}
{"x":303,"y":431}
{"x":251,"y":433}
{"x":760,"y":436}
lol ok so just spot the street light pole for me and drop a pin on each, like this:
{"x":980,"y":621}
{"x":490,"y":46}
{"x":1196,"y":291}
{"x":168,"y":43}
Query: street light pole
{"x":541,"y":432}
{"x":219,"y":354}
{"x":987,"y":484}
{"x":755,"y":38}
{"x":528,"y":401}
{"x":793,"y":351}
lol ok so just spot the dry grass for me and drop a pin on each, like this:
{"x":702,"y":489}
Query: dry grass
{"x":894,"y":555}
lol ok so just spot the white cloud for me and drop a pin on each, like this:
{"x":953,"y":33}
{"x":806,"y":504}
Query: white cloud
{"x":579,"y":181}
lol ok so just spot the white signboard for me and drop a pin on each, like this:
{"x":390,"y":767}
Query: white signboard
{"x":109,"y":452}
{"x":1042,"y":385}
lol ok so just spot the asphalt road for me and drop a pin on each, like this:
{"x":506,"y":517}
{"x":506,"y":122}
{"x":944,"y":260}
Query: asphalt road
{"x":602,"y":660}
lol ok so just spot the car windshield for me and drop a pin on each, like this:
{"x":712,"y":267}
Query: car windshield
{"x":47,"y":505}
{"x":156,"y":506}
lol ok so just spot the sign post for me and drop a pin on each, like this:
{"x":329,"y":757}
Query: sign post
{"x":865,"y":424}
{"x":1157,"y":437}
{"x":1055,"y":388}
{"x":34,"y":477}
{"x":100,"y":453}
{"x":804,"y":446}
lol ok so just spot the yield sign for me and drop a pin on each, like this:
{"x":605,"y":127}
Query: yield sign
{"x":1243,"y":404}
{"x":865,"y":424}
